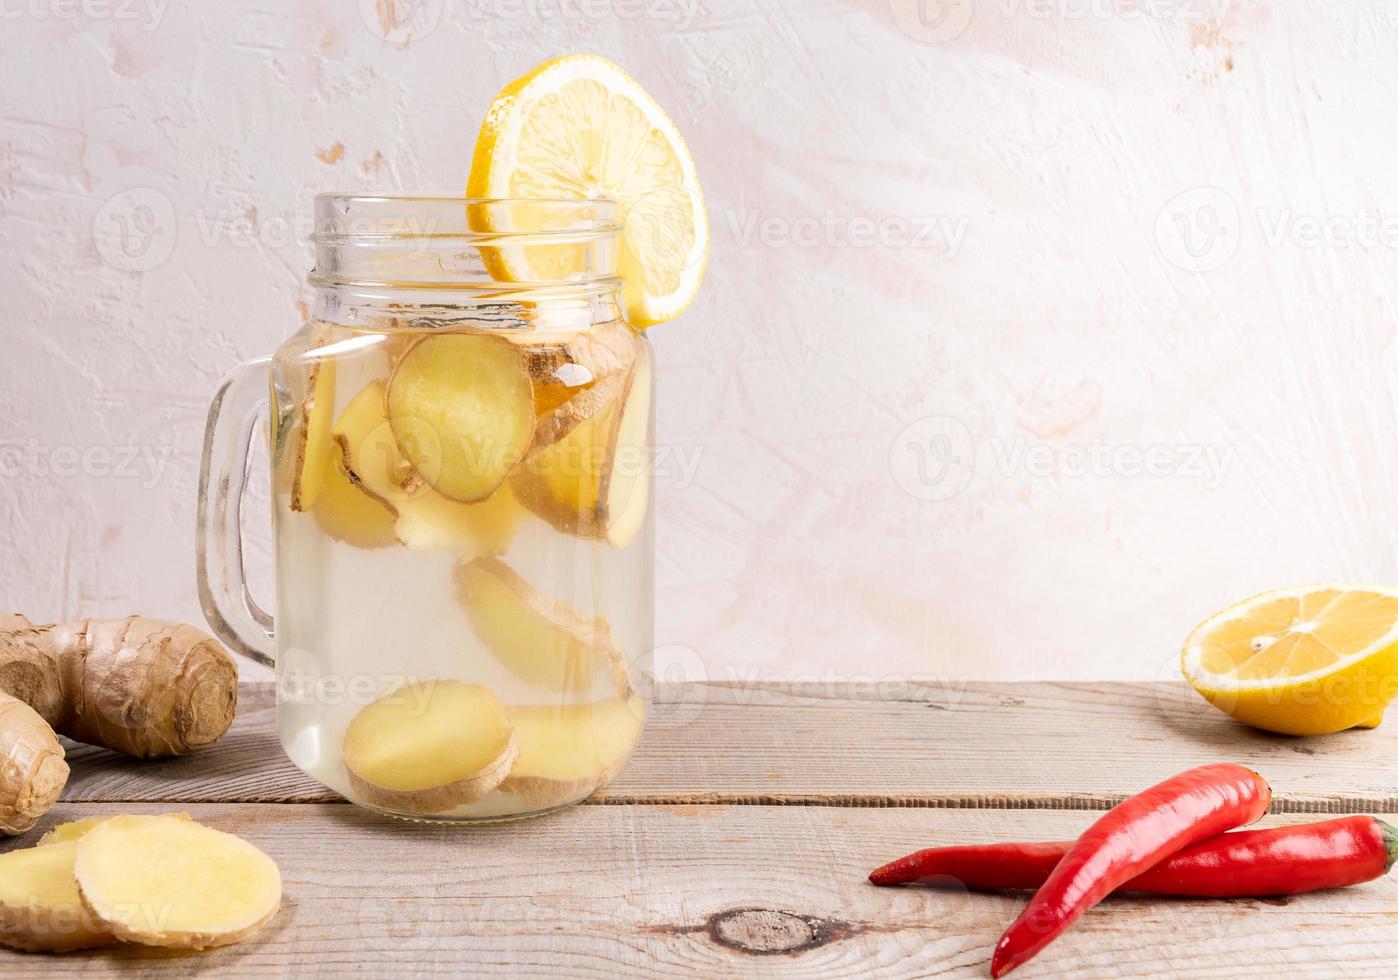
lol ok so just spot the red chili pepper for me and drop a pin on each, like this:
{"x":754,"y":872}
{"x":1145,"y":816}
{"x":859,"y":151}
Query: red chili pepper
{"x":1129,"y":839}
{"x":1246,"y":863}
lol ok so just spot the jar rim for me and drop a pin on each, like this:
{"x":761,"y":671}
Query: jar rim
{"x":347,"y":217}
{"x":461,"y":199}
{"x":395,"y":252}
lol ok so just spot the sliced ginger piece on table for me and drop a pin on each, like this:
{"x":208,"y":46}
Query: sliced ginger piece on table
{"x":75,"y":829}
{"x":429,"y":747}
{"x":167,"y":881}
{"x":462,"y":411}
{"x":568,"y":751}
{"x":542,"y":641}
{"x":72,"y":830}
{"x":40,"y":907}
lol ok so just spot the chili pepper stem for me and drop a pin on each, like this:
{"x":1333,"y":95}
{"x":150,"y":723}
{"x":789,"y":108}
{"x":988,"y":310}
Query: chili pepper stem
{"x":1390,"y":844}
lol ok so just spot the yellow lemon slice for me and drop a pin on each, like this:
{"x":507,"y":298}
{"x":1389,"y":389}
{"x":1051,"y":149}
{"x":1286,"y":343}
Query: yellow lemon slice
{"x":579,"y":127}
{"x":1305,"y":661}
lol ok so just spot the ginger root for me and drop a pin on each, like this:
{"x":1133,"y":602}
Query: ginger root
{"x":168,"y":881}
{"x":141,"y":686}
{"x":34,"y":771}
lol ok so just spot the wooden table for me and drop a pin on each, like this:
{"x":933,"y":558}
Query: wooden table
{"x":737,"y":841}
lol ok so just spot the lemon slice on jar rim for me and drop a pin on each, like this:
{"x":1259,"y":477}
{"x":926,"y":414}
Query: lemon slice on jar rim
{"x":1304,"y":661}
{"x":579,"y":127}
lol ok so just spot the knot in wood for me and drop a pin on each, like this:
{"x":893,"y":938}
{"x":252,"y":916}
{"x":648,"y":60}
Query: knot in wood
{"x":769,"y":931}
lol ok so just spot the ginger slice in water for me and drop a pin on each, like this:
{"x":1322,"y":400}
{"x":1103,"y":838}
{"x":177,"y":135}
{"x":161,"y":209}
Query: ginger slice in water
{"x":461,"y":407}
{"x":370,"y":450}
{"x":426,"y":520}
{"x":626,"y":480}
{"x":562,"y":482}
{"x":168,"y":881}
{"x":311,"y":438}
{"x":595,"y":481}
{"x":541,"y":640}
{"x":347,"y":511}
{"x":431,"y":522}
{"x":577,"y":378}
{"x":554,"y":377}
{"x":429,"y":747}
{"x":568,"y":751}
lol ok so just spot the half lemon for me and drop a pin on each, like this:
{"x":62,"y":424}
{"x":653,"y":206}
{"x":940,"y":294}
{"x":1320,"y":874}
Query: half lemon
{"x":1306,"y":661}
{"x":579,"y":127}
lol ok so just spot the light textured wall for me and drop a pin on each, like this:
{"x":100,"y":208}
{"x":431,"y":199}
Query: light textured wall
{"x":1032,"y":333}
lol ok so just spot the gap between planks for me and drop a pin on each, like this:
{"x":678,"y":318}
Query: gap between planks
{"x":1335,"y":807}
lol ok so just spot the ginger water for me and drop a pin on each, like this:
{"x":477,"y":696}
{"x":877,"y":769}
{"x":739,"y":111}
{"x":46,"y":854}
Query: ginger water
{"x":462,"y":526}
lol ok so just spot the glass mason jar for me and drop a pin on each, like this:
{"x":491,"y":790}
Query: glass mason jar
{"x":460,"y":447}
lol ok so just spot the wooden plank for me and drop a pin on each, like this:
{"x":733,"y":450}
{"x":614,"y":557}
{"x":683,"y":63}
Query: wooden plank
{"x":709,"y":891}
{"x":1057,"y":746}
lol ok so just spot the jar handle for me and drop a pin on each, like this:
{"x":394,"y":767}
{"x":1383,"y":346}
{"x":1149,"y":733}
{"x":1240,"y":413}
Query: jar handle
{"x":229,"y":607}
